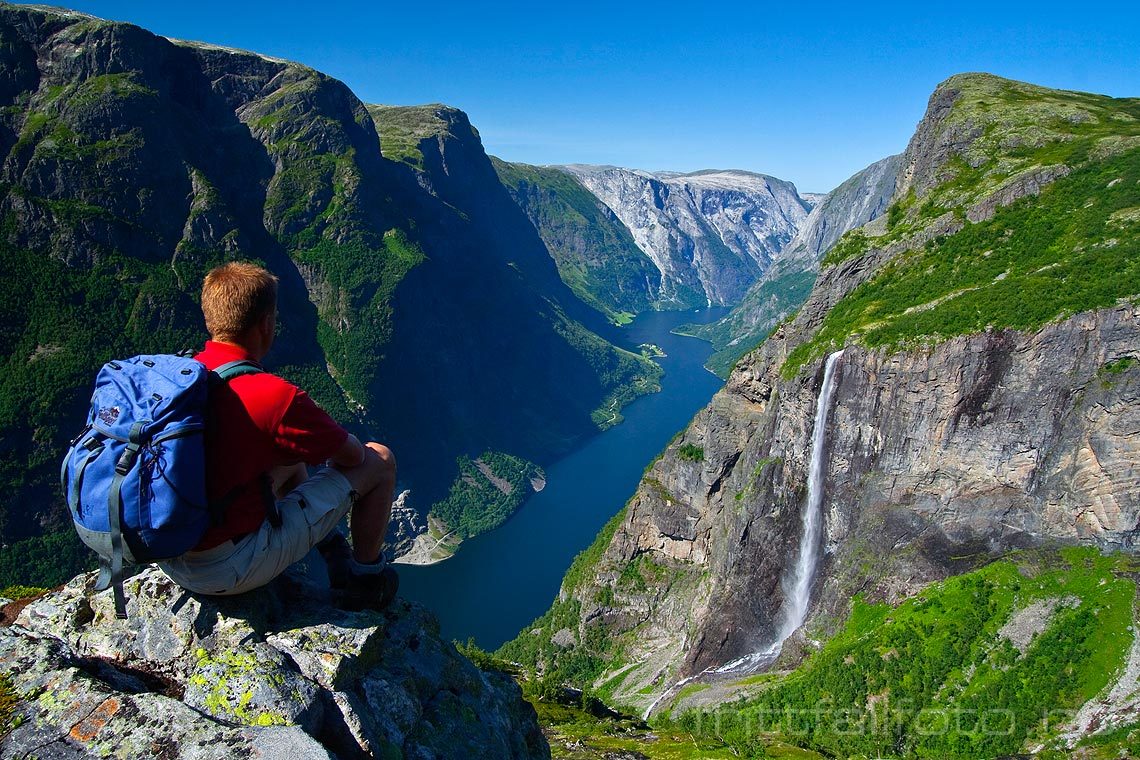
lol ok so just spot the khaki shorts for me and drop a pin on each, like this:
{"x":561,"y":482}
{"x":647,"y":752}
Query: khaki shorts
{"x":308,"y":513}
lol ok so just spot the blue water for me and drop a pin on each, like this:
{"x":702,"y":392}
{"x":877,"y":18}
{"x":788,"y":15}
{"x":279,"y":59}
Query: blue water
{"x":499,"y":582}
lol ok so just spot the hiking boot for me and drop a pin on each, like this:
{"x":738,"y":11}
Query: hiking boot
{"x":370,"y":590}
{"x":337,"y":554}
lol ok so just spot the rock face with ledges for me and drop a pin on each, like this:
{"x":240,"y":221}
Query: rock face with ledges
{"x":710,"y":233}
{"x":260,"y":675}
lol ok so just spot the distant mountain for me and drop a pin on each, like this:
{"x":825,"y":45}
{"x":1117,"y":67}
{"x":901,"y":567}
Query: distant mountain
{"x":784,"y":286}
{"x":711,"y":234}
{"x":417,"y":301}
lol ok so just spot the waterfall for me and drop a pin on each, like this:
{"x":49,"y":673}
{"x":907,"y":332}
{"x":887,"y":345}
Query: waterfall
{"x":797,"y":583}
{"x":797,"y":597}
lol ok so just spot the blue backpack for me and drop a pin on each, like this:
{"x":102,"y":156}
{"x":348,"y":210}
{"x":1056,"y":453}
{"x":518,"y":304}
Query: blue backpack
{"x":135,"y":477}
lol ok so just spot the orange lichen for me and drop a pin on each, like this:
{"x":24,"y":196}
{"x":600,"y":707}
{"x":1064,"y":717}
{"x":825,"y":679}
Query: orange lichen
{"x":86,"y":729}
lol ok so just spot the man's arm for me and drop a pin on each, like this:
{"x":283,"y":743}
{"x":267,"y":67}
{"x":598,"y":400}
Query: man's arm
{"x":351,"y":453}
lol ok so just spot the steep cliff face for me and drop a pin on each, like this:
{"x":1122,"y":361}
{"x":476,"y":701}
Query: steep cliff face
{"x":784,"y":286}
{"x":987,"y":399}
{"x":710,"y":233}
{"x":490,"y":304}
{"x":257,"y":675}
{"x":131,"y":164}
{"x":861,"y":198}
{"x":596,"y":255}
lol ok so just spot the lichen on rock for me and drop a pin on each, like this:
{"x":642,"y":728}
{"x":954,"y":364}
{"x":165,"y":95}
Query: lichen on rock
{"x":260,"y":674}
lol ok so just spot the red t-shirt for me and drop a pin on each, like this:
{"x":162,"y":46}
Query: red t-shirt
{"x":257,"y":422}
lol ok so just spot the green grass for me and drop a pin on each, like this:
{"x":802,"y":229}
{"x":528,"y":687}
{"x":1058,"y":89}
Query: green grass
{"x":1046,"y":257}
{"x":691,"y":453}
{"x":403,"y":128}
{"x":1118,"y":366}
{"x":1022,"y":129}
{"x":577,"y":735}
{"x":890,"y":672}
{"x":21,"y":592}
{"x":622,"y":318}
{"x":9,"y":701}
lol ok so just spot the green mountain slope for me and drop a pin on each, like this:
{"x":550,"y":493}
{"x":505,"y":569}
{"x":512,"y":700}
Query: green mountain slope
{"x":986,"y":664}
{"x":1070,"y":249}
{"x":985,"y":402}
{"x":595,"y":253}
{"x":1073,"y":248}
{"x":488,"y":302}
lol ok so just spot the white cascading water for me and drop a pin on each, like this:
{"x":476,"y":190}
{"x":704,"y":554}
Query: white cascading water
{"x":797,"y":597}
{"x":797,"y":583}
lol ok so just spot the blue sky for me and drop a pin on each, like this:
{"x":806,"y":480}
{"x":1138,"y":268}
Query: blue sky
{"x":809,"y":92}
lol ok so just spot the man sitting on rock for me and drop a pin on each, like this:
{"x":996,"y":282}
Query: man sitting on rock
{"x":261,"y":432}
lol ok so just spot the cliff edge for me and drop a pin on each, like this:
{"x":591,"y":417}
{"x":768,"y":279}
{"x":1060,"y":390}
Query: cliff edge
{"x":277,"y":672}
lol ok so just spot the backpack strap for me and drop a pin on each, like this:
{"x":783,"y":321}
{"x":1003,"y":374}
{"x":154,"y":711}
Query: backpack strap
{"x":220,"y":376}
{"x":230,"y":370}
{"x":112,"y":575}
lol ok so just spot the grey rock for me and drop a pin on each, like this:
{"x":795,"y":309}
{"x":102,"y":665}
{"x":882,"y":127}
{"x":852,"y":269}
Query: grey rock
{"x":710,"y":233}
{"x":189,"y":676}
{"x":404,"y":527}
{"x":936,"y":460}
{"x":71,"y":710}
{"x":564,"y":638}
{"x":861,"y":199}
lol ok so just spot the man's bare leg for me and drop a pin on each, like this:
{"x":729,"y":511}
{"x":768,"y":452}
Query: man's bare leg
{"x":375,"y":482}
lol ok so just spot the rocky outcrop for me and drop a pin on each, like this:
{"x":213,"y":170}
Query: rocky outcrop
{"x":404,"y":527}
{"x":259,"y":675}
{"x":710,"y":233}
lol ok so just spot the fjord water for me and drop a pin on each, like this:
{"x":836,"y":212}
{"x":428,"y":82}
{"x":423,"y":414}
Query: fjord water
{"x":499,"y":582}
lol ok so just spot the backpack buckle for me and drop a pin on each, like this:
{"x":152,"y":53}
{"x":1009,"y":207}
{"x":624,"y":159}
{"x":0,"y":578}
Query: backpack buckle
{"x":127,"y":459}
